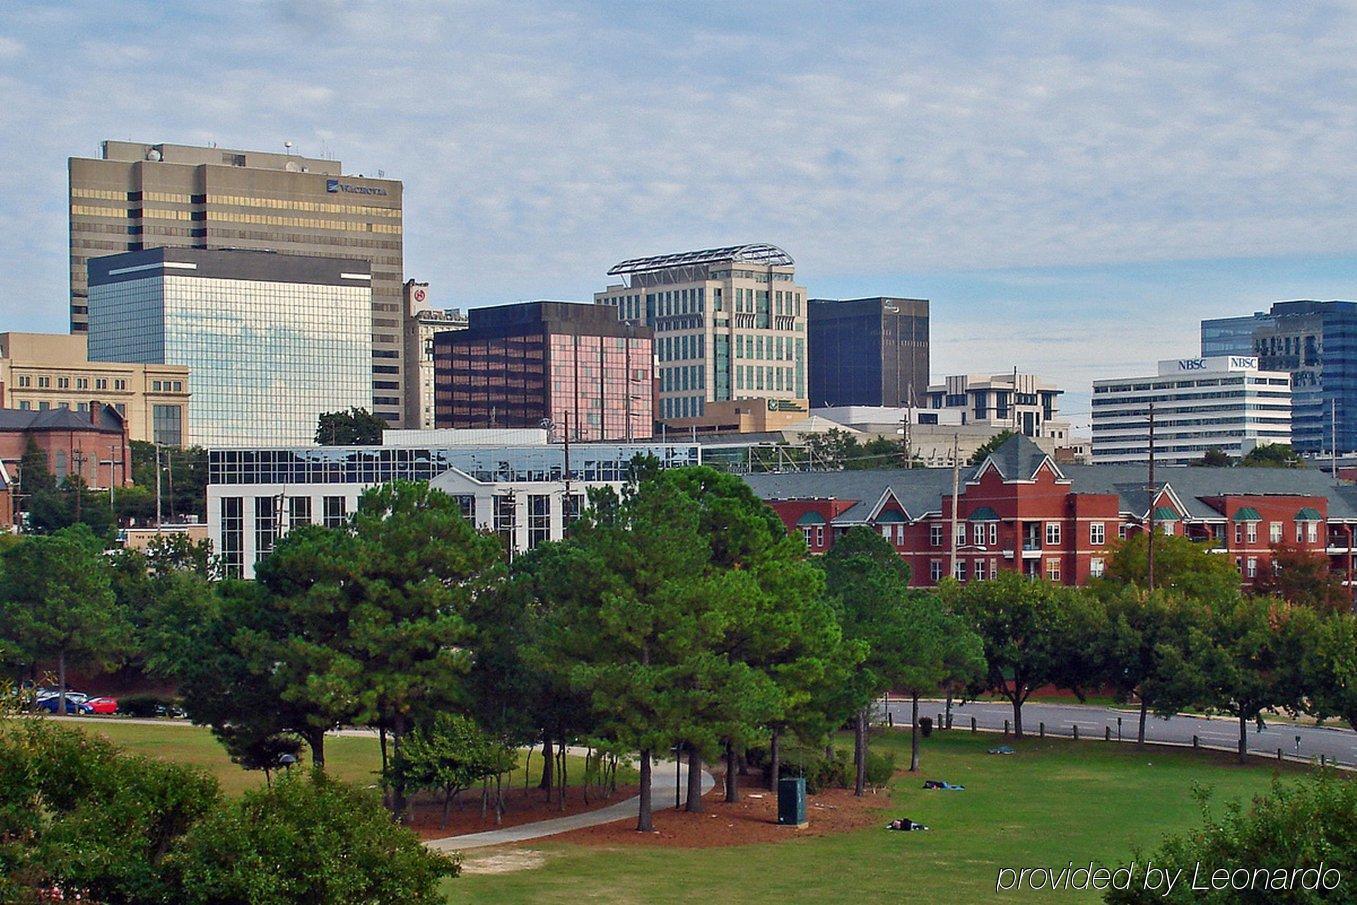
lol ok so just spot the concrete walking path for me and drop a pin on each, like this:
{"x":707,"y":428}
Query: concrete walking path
{"x":666,"y":779}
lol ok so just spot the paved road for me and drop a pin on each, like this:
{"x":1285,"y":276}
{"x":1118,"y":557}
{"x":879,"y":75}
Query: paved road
{"x":1213,"y":732}
{"x":666,"y":780}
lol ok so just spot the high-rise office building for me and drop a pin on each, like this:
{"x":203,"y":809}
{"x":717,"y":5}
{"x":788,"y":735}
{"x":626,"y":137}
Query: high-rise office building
{"x":140,"y":196}
{"x":1022,"y":403}
{"x":422,"y":322}
{"x":871,"y":351}
{"x":729,"y":323}
{"x":1224,"y":403}
{"x":271,"y":340}
{"x":572,"y":365}
{"x":1316,"y":342}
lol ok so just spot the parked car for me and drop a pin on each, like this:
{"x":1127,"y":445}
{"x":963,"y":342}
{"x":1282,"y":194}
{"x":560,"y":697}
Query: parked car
{"x":102,"y":705}
{"x":51,"y":704}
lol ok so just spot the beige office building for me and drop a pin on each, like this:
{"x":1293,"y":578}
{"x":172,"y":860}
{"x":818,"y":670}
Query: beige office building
{"x":139,"y":196}
{"x":41,"y":371}
{"x":730,"y":323}
{"x":422,"y":322}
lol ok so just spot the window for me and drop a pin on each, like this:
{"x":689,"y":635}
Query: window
{"x":978,"y":534}
{"x":1166,"y":527}
{"x":1053,"y":569}
{"x":935,"y":535}
{"x":572,"y":504}
{"x":101,"y":383}
{"x":25,"y":380}
{"x":505,"y":512}
{"x":1252,"y":532}
{"x":1095,"y":567}
{"x":1312,"y":532}
{"x":1251,"y":567}
{"x":168,"y":424}
{"x":959,"y":570}
{"x":961,"y":532}
{"x":1053,"y":534}
{"x":63,"y":383}
{"x":1238,"y":534}
{"x":899,"y":535}
{"x":334,"y":511}
{"x":808,"y":532}
{"x":298,"y":512}
{"x":265,"y":525}
{"x":935,"y":570}
{"x":232,"y":535}
{"x":539,"y":519}
{"x":1097,"y":533}
{"x":466,"y":506}
{"x":1121,"y":531}
{"x":993,"y":535}
{"x":1275,"y":532}
{"x":886,"y":531}
{"x":1300,"y":531}
{"x":44,"y":383}
{"x":979,"y":570}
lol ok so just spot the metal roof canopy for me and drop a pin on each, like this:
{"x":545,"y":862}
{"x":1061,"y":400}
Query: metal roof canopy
{"x":757,"y":253}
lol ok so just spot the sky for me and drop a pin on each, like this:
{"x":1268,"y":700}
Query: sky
{"x":1073,"y":186}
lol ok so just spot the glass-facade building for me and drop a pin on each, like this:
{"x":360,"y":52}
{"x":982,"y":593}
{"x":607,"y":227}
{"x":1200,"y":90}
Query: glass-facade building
{"x":871,"y":351}
{"x":566,"y":364}
{"x":1316,"y":342}
{"x":272,"y":340}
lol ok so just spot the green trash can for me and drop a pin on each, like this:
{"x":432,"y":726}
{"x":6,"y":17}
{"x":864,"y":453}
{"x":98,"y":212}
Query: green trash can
{"x":791,"y":801}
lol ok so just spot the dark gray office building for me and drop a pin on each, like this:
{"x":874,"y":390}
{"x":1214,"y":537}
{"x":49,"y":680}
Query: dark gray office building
{"x":871,"y":351}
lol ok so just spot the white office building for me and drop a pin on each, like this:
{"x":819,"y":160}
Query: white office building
{"x":1200,"y":404}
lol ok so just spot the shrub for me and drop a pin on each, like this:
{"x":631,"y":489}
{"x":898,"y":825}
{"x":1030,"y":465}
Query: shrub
{"x":819,"y":771}
{"x":880,"y":767}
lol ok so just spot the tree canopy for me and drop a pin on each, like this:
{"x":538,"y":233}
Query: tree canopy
{"x":356,"y":427}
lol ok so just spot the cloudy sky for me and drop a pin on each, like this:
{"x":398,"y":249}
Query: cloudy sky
{"x":1073,"y":185}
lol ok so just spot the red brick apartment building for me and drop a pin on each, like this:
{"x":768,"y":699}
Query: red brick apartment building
{"x":1019,"y":511}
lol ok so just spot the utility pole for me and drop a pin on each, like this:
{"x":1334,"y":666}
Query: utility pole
{"x":1015,"y":399}
{"x":956,"y":487}
{"x":112,"y":479}
{"x":904,"y":432}
{"x":158,"y":513}
{"x":78,"y":460}
{"x":1333,"y":438}
{"x":1149,"y":541}
{"x":568,"y":501}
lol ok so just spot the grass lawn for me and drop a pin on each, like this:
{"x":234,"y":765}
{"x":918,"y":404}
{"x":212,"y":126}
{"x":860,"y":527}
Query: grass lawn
{"x":1054,"y":802}
{"x":350,"y":758}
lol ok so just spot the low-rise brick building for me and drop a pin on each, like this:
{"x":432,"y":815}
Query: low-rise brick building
{"x":94,"y":443}
{"x":1019,"y":511}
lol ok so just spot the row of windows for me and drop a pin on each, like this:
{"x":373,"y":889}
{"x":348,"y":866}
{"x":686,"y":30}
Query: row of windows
{"x":751,"y":377}
{"x":81,"y":383}
{"x":27,"y":405}
{"x":687,"y":377}
{"x":682,"y":406}
{"x":779,"y":348}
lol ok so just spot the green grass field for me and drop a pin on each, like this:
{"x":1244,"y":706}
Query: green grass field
{"x":352,"y":759}
{"x":1054,"y":802}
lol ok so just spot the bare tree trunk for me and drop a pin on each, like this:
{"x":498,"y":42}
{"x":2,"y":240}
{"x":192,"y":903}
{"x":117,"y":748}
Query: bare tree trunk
{"x":914,"y":736}
{"x":1243,"y":740}
{"x":61,"y":682}
{"x":499,"y":798}
{"x":315,"y":740}
{"x":644,"y":821}
{"x":548,"y":766}
{"x":560,"y":753}
{"x":1017,"y":716}
{"x":447,"y":805}
{"x":774,"y":759}
{"x":694,"y":800}
{"x":386,"y":773}
{"x":1144,"y":708}
{"x":398,"y":802}
{"x":860,"y":754}
{"x":732,"y":775}
{"x":527,"y":768}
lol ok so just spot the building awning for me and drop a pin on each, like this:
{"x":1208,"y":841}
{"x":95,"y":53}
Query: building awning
{"x":1247,"y":514}
{"x":983,"y":514}
{"x":1309,"y":514}
{"x":1165,"y":514}
{"x":811,"y":518}
{"x":890,"y":516}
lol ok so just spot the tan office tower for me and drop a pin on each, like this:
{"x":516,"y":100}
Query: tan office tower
{"x":139,"y":196}
{"x":730,"y":323}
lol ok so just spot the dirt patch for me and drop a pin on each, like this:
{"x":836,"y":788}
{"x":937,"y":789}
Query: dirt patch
{"x":752,"y":820}
{"x":530,"y":806}
{"x":502,"y":861}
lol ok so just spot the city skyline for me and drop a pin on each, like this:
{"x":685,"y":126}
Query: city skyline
{"x":1074,"y":188}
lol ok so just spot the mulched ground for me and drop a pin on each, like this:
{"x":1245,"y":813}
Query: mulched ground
{"x":752,"y":820}
{"x":521,"y":807}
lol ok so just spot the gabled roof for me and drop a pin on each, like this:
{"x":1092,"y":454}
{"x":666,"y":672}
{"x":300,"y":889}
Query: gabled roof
{"x":105,"y":418}
{"x":1016,"y":459}
{"x":917,"y":490}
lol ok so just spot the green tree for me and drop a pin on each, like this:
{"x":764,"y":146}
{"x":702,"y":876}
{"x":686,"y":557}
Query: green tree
{"x":1272,"y":455}
{"x":1256,"y":660}
{"x":943,"y":650}
{"x":450,"y":754}
{"x":869,"y":584}
{"x":57,"y":602}
{"x":1331,"y":669}
{"x":1155,"y":647}
{"x":1293,"y":831}
{"x":1189,"y":567}
{"x":1035,"y":633}
{"x":183,"y":479}
{"x":254,"y":746}
{"x":1303,"y":578}
{"x":1216,"y":458}
{"x":77,"y":814}
{"x":35,"y":471}
{"x":356,"y":427}
{"x":989,"y":446}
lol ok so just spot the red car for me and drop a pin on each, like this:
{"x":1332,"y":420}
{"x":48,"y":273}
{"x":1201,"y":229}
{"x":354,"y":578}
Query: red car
{"x":102,"y":705}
